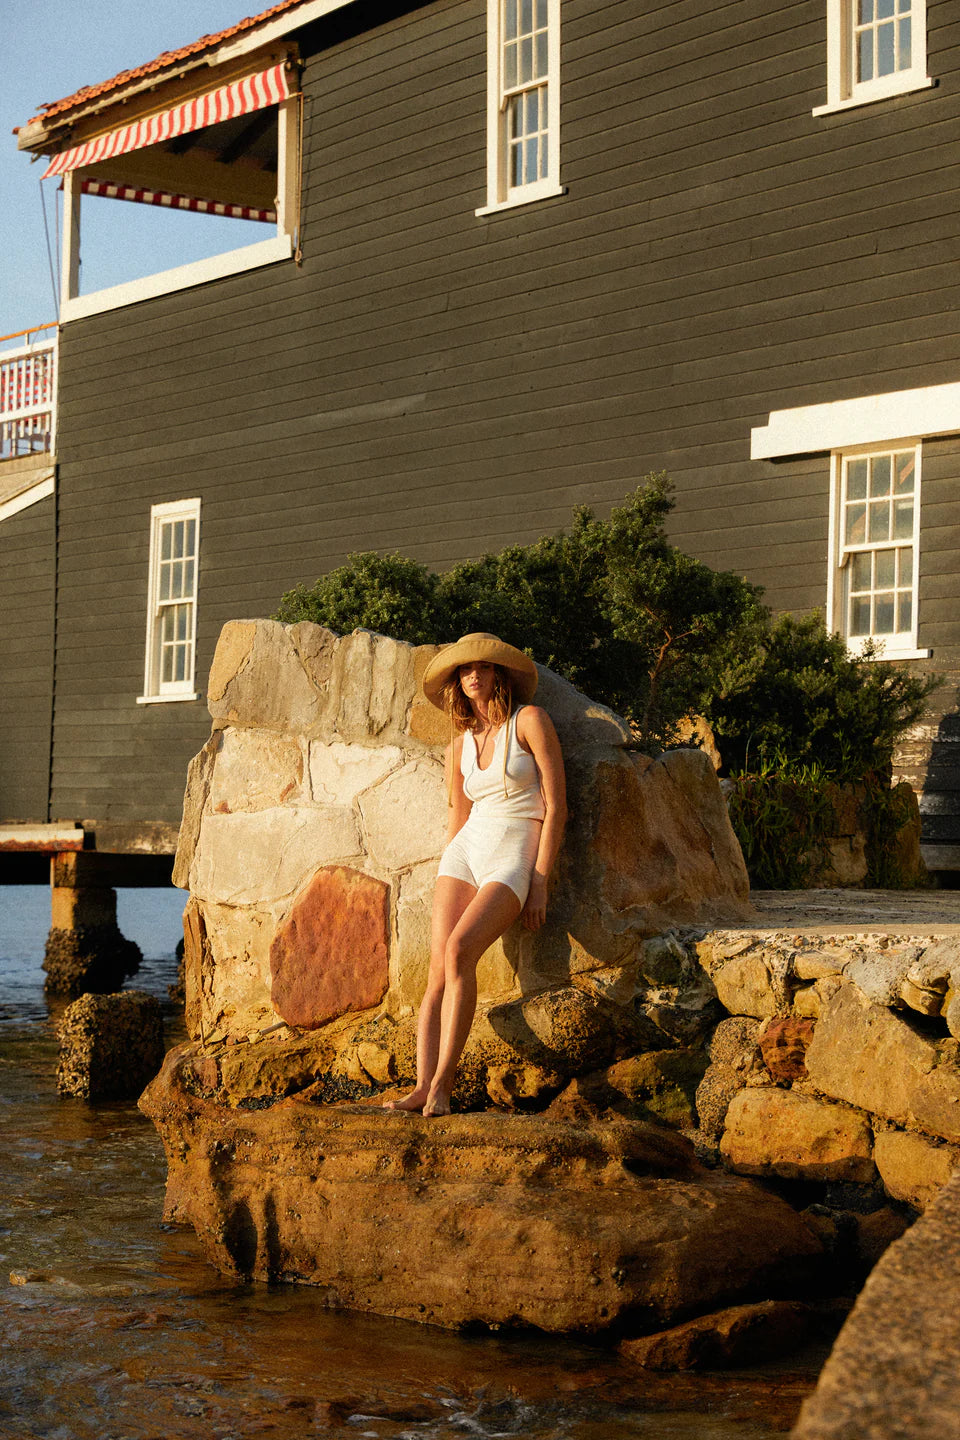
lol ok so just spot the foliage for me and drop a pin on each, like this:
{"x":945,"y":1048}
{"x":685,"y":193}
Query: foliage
{"x":784,"y":823}
{"x":609,"y":604}
{"x":799,"y":699}
{"x":386,"y":593}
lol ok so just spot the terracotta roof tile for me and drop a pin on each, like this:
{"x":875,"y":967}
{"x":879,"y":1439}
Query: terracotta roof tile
{"x":168,"y":59}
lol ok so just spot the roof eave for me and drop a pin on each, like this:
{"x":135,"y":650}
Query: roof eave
{"x":41,"y":137}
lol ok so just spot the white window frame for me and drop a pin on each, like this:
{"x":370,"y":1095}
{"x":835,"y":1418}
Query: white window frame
{"x":843,"y":90}
{"x":156,"y":691}
{"x":900,"y":646}
{"x":500,"y":194}
{"x":280,"y":246}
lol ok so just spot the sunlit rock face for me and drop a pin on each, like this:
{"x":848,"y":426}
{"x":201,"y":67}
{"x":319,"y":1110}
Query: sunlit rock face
{"x":315,"y":815}
{"x":486,"y":1218}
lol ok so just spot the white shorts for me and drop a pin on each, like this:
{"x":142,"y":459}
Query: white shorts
{"x":487,"y":851}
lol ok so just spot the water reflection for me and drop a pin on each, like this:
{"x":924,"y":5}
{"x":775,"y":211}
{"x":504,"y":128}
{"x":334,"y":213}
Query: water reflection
{"x":113,"y":1328}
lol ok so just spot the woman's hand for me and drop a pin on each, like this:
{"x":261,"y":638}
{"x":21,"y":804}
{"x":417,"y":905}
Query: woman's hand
{"x":534,"y":913}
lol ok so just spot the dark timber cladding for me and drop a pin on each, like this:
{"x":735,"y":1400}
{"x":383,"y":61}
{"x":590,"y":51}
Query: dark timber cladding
{"x":26,"y":660}
{"x":443,"y":384}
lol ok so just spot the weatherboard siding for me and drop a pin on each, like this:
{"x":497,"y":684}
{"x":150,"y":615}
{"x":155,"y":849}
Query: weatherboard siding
{"x":26,"y":660}
{"x":442,"y":384}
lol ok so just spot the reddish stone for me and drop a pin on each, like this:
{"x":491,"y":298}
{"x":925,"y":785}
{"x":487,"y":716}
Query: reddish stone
{"x":783,"y":1045}
{"x":330,"y":955}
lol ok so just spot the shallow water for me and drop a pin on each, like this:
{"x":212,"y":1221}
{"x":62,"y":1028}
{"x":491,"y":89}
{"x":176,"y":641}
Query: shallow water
{"x":113,"y":1327}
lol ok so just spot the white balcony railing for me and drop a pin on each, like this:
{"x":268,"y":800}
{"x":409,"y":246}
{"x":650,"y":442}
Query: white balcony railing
{"x":28,"y":397}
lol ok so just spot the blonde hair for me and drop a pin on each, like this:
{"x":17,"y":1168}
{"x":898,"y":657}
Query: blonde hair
{"x":463,"y":717}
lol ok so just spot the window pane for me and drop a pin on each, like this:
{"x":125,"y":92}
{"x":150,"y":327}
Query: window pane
{"x":860,"y":568}
{"x":857,"y":480}
{"x":163,"y":589}
{"x":903,"y":519}
{"x":165,"y":540}
{"x":187,"y":578}
{"x":883,"y":615}
{"x":531,"y":168}
{"x":510,"y":20}
{"x":166,"y":671}
{"x":526,"y":60}
{"x":180,"y":672}
{"x":526,"y":16}
{"x":904,"y":612}
{"x":886,"y":569}
{"x":885,"y":57}
{"x":856,"y":524}
{"x":191,"y":541}
{"x":879,"y":520}
{"x":860,"y":617}
{"x":532,"y":106}
{"x":182,"y":612}
{"x":510,"y":67}
{"x":541,"y":54}
{"x":904,"y":473}
{"x":865,"y":55}
{"x":905,"y":58}
{"x":904,"y":7}
{"x":176,"y":579}
{"x":865,"y":12}
{"x":880,"y":475}
{"x":885,"y":9}
{"x":906,"y":565}
{"x":541,"y":14}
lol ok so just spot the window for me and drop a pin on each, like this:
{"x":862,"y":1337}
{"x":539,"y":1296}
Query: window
{"x":876,"y":523}
{"x":523,"y":102}
{"x":875,"y":48}
{"x":172,"y":603}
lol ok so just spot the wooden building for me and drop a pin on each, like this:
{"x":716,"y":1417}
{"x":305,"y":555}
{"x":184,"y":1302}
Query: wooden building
{"x":506,"y":256}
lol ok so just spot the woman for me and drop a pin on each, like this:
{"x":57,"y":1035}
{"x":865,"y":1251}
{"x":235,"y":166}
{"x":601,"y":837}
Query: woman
{"x":507,"y":802}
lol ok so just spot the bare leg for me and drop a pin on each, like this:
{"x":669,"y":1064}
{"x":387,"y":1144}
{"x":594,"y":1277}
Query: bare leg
{"x":488,"y":915}
{"x":450,"y":899}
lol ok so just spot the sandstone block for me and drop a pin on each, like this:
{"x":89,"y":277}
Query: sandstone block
{"x":741,"y":1335}
{"x":110,"y":1045}
{"x":257,"y":679}
{"x":912,"y":1167}
{"x":570,"y":1030}
{"x":255,"y":770}
{"x":744,"y":986}
{"x":783,"y":1045}
{"x":868,"y":1056}
{"x":405,"y":816}
{"x":816,"y":964}
{"x":330,"y":956}
{"x":879,"y":974}
{"x":231,"y":990}
{"x":662,"y":1082}
{"x":491,"y":1218}
{"x":427,"y":724}
{"x":339,"y":772}
{"x":893,"y":1370}
{"x":248,"y":859}
{"x":372,"y":687}
{"x":776,"y":1132}
{"x":410,"y":952}
{"x":199,"y":775}
{"x":734,"y":1058}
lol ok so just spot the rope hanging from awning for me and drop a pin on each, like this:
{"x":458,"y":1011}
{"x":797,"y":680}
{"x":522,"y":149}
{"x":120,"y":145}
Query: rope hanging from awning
{"x":242,"y":97}
{"x":171,"y":201}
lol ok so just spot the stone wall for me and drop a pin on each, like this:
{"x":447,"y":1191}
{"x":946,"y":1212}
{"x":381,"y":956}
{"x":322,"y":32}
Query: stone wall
{"x":839,"y":1060}
{"x":315,"y":815}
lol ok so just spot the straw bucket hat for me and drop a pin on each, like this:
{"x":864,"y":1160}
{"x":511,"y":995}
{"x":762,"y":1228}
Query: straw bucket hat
{"x":480,"y":646}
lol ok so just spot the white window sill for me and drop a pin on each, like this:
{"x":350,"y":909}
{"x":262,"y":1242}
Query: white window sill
{"x":870,"y":97}
{"x":232,"y":262}
{"x":855,"y":649}
{"x":546,"y":193}
{"x":167,"y":699}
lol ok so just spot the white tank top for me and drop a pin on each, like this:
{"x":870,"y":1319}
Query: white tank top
{"x":523,"y":799}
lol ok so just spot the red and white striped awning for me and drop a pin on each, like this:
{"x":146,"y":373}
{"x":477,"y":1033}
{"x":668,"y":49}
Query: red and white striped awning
{"x":172,"y":201}
{"x":253,"y":92}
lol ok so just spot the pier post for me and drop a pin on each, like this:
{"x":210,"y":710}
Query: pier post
{"x":85,"y":950}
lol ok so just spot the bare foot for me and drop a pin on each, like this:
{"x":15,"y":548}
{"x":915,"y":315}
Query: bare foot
{"x":437,"y":1103}
{"x":414,"y":1101}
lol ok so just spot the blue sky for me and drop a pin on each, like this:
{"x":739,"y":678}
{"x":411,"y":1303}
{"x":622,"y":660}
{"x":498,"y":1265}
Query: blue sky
{"x":51,"y":48}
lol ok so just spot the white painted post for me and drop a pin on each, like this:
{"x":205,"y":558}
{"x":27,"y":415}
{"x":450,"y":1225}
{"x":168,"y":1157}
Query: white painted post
{"x":70,"y":269}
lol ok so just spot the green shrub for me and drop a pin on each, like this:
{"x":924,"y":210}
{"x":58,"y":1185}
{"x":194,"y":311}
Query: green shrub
{"x":799,"y":699}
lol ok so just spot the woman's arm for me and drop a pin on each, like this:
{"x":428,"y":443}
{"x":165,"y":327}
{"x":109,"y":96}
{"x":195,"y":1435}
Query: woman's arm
{"x":536,"y":734}
{"x":460,"y":806}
